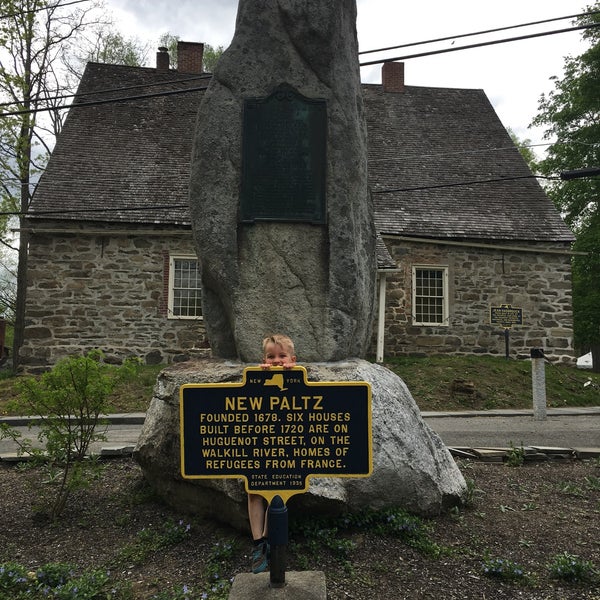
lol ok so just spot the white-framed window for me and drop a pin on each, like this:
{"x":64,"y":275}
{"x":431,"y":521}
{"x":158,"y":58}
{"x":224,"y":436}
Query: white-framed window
{"x":429,"y":295}
{"x":185,"y":297}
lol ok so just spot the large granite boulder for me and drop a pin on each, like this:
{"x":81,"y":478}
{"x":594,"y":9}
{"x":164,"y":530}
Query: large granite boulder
{"x":411,"y":466}
{"x":315,"y":281}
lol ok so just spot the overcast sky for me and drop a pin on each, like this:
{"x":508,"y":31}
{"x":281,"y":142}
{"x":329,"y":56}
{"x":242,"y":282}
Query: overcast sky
{"x":513,"y":75}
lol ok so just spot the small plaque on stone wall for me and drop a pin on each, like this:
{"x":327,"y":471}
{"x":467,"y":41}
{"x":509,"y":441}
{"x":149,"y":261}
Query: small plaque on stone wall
{"x":506,"y":315}
{"x":284,"y":158}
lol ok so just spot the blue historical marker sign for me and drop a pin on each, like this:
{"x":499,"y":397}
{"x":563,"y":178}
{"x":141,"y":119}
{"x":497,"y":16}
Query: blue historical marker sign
{"x":276,"y":430}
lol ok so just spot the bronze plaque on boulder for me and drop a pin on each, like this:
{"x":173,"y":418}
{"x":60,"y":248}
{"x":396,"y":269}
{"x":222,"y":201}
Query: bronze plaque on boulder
{"x":284,"y":158}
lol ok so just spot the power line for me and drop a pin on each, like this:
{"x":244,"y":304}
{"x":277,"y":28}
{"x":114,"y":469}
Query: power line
{"x":167,"y":93}
{"x":475,"y":33}
{"x":209,"y":75}
{"x":481,"y":44}
{"x":105,"y":101}
{"x":119,"y":89}
{"x":143,"y":207}
{"x":579,"y":173}
{"x":586,"y":173}
{"x":147,"y":208}
{"x":205,"y":76}
{"x":404,"y":157}
{"x":462,"y":184}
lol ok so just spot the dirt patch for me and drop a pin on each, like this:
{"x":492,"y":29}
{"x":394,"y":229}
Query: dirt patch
{"x":526,"y":515}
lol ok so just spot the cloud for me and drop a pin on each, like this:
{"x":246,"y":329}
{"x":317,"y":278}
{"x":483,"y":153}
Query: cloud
{"x":513,"y":75}
{"x":207,"y":21}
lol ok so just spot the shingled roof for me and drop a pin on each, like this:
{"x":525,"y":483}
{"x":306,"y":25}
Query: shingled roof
{"x":442,"y":165}
{"x":124,"y":161}
{"x":430,"y":149}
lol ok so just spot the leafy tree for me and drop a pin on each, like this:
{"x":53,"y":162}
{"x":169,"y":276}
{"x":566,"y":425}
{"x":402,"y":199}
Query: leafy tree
{"x":112,"y":48}
{"x":105,"y":45}
{"x":33,"y":34}
{"x":525,"y":149}
{"x":586,"y":290}
{"x":209,"y":58}
{"x":571,"y":114}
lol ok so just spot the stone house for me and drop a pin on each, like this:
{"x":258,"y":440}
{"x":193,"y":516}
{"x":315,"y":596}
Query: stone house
{"x":466,"y":224}
{"x":463,"y":226}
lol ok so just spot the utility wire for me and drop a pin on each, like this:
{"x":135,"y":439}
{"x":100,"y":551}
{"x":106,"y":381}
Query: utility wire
{"x":475,"y":33}
{"x":481,"y":44}
{"x":419,"y":55}
{"x":16,"y":180}
{"x":463,"y":183}
{"x":105,"y":101}
{"x":147,"y":208}
{"x":143,"y":207}
{"x":120,"y":89}
{"x":209,"y":75}
{"x":173,"y":92}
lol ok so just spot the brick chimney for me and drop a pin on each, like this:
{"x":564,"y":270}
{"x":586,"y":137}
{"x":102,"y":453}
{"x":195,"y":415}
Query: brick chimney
{"x":189,"y":57}
{"x":392,"y":76}
{"x":162,"y":59}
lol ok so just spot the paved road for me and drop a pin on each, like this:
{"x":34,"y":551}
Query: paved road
{"x":563,"y":428}
{"x":122,"y":435}
{"x":488,"y":432}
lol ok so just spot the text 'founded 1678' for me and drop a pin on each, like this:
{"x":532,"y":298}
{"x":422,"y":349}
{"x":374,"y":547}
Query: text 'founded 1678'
{"x":275,"y":430}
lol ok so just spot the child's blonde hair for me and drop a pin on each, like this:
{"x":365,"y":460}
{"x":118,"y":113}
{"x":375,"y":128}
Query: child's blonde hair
{"x":283,"y":340}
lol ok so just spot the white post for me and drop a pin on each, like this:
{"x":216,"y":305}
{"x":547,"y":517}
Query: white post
{"x":538,"y":380}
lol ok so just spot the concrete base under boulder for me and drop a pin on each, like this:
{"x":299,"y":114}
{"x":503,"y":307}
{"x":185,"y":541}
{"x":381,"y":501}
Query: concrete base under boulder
{"x":411,"y":466}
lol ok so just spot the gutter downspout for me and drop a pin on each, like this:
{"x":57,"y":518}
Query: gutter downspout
{"x":383,"y":273}
{"x":381,"y":317}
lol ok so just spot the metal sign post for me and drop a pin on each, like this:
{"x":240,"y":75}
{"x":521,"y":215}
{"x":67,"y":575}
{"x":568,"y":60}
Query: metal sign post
{"x":278,"y":540}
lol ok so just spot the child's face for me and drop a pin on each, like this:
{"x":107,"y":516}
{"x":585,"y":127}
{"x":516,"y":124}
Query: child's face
{"x":276,"y":354}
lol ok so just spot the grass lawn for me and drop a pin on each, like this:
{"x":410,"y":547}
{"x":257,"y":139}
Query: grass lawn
{"x":133,"y":395}
{"x":436,"y":383}
{"x":485,"y":382}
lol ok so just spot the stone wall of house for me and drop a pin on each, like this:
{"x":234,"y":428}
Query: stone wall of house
{"x":478,"y":277}
{"x":106,"y":289}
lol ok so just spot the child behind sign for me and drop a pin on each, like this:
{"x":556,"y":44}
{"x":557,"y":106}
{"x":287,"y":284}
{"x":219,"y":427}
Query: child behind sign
{"x":278,"y":351}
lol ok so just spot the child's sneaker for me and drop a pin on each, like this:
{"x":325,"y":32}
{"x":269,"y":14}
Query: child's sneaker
{"x":260,"y":557}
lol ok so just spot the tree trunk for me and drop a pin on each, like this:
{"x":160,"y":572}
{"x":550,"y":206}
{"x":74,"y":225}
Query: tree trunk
{"x":19,"y":331}
{"x":596,"y":358}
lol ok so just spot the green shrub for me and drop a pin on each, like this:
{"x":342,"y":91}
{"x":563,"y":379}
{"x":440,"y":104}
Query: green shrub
{"x":69,"y":402}
{"x":515,"y":457}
